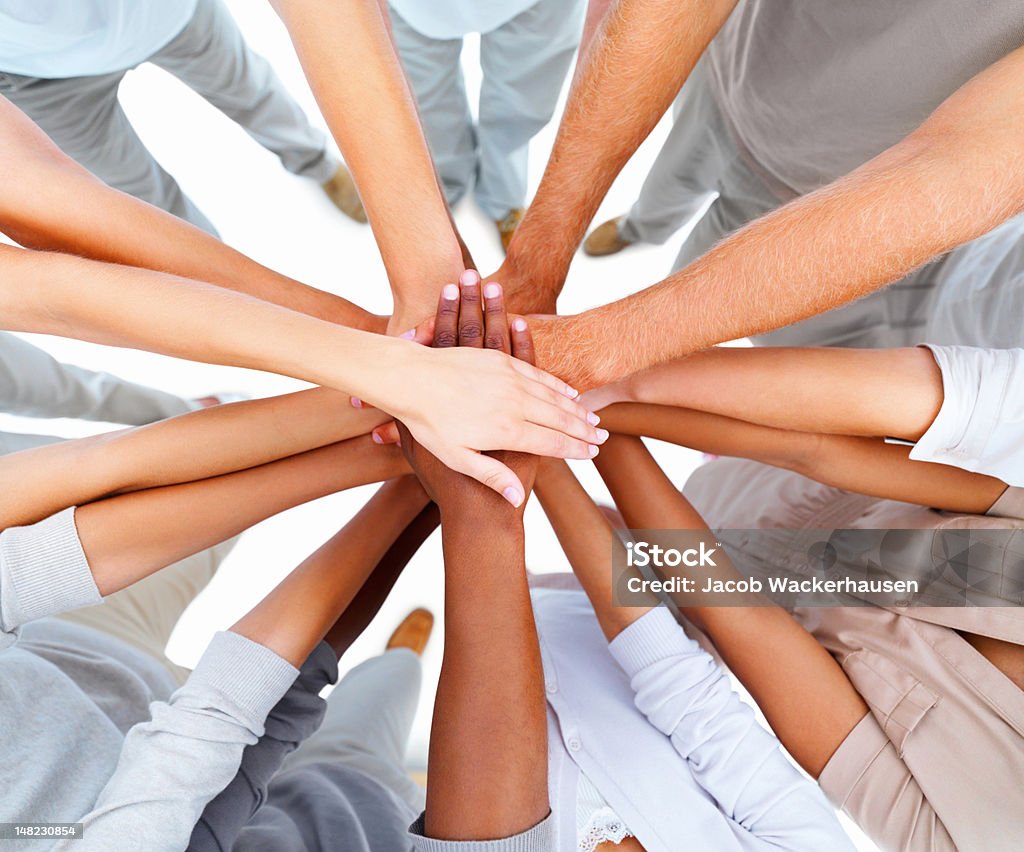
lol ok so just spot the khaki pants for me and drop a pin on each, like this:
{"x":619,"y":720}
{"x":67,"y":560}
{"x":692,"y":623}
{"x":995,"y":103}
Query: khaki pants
{"x":144,"y":614}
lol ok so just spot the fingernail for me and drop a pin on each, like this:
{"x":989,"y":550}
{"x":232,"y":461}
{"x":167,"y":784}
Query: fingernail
{"x":602,"y":435}
{"x":356,"y":401}
{"x":408,"y":335}
{"x":571,"y":392}
{"x":450,"y":292}
{"x":513,"y":495}
{"x":519,"y":324}
{"x":377,"y":439}
{"x":469,"y":278}
{"x":592,"y":418}
{"x":492,"y":290}
{"x":594,"y":450}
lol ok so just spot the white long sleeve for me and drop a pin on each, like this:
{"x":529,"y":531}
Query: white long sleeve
{"x":688,"y":697}
{"x":171,"y":766}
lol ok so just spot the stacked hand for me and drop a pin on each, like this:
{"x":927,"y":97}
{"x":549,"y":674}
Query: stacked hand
{"x":474,"y":317}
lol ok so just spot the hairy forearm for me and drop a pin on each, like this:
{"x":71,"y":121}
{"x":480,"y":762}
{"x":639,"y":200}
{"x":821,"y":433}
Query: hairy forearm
{"x":128,"y":537}
{"x":954,"y":179}
{"x":51,"y":203}
{"x":488,"y":742}
{"x":301,"y":610}
{"x":347,"y":53}
{"x":632,"y":70}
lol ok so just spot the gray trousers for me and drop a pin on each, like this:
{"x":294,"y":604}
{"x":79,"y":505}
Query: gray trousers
{"x":369,"y":718}
{"x":524,"y":65}
{"x":84,"y":117}
{"x":34,"y":384}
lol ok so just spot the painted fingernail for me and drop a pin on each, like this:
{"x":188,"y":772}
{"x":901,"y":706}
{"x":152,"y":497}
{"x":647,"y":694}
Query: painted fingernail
{"x":513,"y":495}
{"x":602,"y":435}
{"x":377,"y":439}
{"x":594,"y":450}
{"x":450,"y":292}
{"x":356,"y":401}
{"x":408,"y":335}
{"x":492,"y":290}
{"x":592,"y":418}
{"x":519,"y":324}
{"x":469,"y":278}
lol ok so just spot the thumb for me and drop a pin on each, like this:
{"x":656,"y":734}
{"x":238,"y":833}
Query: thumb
{"x":493,"y":474}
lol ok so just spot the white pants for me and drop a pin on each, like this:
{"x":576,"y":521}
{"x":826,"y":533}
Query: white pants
{"x":210,"y":56}
{"x":524,"y":63}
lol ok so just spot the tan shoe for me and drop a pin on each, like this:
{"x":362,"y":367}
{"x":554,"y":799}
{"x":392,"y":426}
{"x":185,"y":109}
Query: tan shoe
{"x":414,"y":631}
{"x":605,"y":239}
{"x":507,"y":226}
{"x":341,"y":189}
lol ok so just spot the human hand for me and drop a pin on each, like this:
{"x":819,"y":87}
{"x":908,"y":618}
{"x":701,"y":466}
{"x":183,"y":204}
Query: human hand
{"x":475,"y":323}
{"x":524,"y":292}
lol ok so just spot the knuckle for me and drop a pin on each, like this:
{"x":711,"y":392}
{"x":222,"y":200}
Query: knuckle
{"x":445,"y":337}
{"x":494,"y":340}
{"x":471,"y":328}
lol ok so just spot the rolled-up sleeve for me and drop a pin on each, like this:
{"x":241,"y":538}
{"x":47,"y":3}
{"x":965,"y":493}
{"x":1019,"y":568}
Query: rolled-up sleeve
{"x":540,"y":838}
{"x":868,"y":780}
{"x":43,"y":571}
{"x":979,"y":424}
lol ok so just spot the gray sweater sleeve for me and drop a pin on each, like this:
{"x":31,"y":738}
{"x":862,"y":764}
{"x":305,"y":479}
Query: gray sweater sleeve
{"x":294,"y":719}
{"x":540,"y":838}
{"x":172,"y":765}
{"x":43,"y":571}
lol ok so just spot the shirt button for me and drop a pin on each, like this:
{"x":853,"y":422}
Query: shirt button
{"x":551,"y":687}
{"x":575,"y":744}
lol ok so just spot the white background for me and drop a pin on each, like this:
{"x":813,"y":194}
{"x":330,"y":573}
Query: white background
{"x":288,"y":224}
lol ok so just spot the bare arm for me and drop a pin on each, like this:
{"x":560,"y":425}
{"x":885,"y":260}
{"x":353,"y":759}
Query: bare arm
{"x":488,"y":741}
{"x":870,"y":392}
{"x":309,"y":602}
{"x":357,"y":79}
{"x":516,"y":405}
{"x":955,"y":178}
{"x":634,"y":67}
{"x":204,"y":443}
{"x":800,"y":688}
{"x":50,"y":202}
{"x":860,"y":464}
{"x":128,"y":537}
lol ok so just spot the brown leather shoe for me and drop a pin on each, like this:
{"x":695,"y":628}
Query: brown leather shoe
{"x":341,"y":189}
{"x":507,"y":226}
{"x":414,"y":631}
{"x":605,"y":239}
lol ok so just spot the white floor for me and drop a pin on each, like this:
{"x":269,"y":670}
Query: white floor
{"x":288,"y":224}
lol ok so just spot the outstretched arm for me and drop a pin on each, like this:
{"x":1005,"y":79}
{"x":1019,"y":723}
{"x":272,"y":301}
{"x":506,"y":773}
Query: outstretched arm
{"x":50,"y":202}
{"x":860,"y":464}
{"x":193,"y":446}
{"x":636,"y":62}
{"x":685,"y":694}
{"x":355,"y":74}
{"x":953,"y":179}
{"x":171,"y":766}
{"x":803,"y":692}
{"x":488,"y":742}
{"x":512,"y":405}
